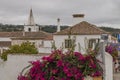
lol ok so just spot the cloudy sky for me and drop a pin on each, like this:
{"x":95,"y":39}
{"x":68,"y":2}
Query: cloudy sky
{"x":99,"y":12}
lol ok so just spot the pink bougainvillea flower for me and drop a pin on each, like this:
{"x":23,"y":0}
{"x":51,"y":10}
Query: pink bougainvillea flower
{"x":54,"y":71}
{"x":62,"y":66}
{"x":59,"y":63}
{"x":47,"y":58}
{"x":92,"y":64}
{"x":21,"y":77}
{"x":79,"y":55}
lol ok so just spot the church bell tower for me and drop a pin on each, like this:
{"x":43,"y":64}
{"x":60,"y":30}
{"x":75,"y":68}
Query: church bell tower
{"x":31,"y":26}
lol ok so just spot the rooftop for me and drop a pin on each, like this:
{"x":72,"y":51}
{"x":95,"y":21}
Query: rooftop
{"x":5,"y":43}
{"x":27,"y":35}
{"x":82,"y":28}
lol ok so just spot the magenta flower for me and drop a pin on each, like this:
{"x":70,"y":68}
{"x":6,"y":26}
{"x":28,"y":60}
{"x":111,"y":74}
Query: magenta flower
{"x":62,"y":66}
{"x":54,"y":71}
{"x":92,"y":64}
{"x":65,"y":69}
{"x":21,"y":77}
{"x":59,"y":63}
{"x":97,"y":73}
{"x":52,"y":78}
{"x":48,"y":58}
{"x":78,"y":76}
{"x":112,"y":50}
{"x":79,"y":55}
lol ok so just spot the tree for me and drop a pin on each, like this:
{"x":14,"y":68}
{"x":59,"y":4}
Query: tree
{"x":24,"y":48}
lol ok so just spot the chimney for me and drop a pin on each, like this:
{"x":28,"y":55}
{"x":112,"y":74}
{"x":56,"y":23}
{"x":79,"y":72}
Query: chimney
{"x":77,"y":18}
{"x":23,"y":33}
{"x":58,"y":25}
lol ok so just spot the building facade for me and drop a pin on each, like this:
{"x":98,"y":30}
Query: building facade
{"x":31,"y":33}
{"x":84,"y":35}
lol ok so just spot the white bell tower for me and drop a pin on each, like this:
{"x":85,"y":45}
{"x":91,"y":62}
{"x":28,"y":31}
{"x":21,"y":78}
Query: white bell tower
{"x":31,"y":26}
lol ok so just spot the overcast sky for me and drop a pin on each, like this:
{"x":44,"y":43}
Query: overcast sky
{"x":99,"y":12}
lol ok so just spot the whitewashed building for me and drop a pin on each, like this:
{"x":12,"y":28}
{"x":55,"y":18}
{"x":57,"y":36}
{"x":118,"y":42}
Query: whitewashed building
{"x":41,"y":40}
{"x":5,"y":43}
{"x":84,"y":34}
{"x":31,"y":33}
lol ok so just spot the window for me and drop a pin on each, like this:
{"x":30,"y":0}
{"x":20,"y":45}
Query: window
{"x":29,"y":29}
{"x":0,"y":52}
{"x":4,"y":50}
{"x":39,"y":28}
{"x":41,"y":44}
{"x":91,"y":43}
{"x":33,"y":43}
{"x":69,"y":43}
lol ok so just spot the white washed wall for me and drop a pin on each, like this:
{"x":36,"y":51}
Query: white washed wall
{"x":47,"y":43}
{"x":2,"y":49}
{"x":108,"y":67}
{"x":18,"y":42}
{"x":44,"y":50}
{"x":33,"y":28}
{"x":5,"y":39}
{"x":59,"y":39}
{"x":10,"y":69}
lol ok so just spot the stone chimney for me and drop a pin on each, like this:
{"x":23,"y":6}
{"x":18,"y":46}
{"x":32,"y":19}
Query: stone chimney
{"x":58,"y":25}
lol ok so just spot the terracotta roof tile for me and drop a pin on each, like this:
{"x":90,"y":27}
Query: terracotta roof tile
{"x":82,"y":28}
{"x":28,"y":35}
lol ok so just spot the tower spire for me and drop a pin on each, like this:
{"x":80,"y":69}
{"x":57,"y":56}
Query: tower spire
{"x":31,"y":27}
{"x":31,"y":18}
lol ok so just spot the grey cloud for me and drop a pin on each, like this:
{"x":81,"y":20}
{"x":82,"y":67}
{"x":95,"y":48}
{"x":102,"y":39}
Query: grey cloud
{"x":47,"y":11}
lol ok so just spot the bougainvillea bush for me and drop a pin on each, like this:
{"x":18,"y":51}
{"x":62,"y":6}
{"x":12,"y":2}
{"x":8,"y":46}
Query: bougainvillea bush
{"x":63,"y":66}
{"x":112,"y":50}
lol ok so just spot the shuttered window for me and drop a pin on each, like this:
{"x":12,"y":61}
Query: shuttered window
{"x":69,"y":43}
{"x":91,"y":42}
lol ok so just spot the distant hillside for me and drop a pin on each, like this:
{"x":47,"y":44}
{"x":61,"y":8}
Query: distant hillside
{"x":47,"y":28}
{"x":113,"y":31}
{"x":109,"y":29}
{"x":10,"y":28}
{"x":52,"y":28}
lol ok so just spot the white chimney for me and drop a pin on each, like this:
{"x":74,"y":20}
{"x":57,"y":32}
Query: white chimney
{"x":78,"y":18}
{"x":58,"y":25}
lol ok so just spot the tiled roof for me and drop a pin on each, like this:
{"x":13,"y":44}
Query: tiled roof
{"x":82,"y":28}
{"x":28,"y":35}
{"x":5,"y":43}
